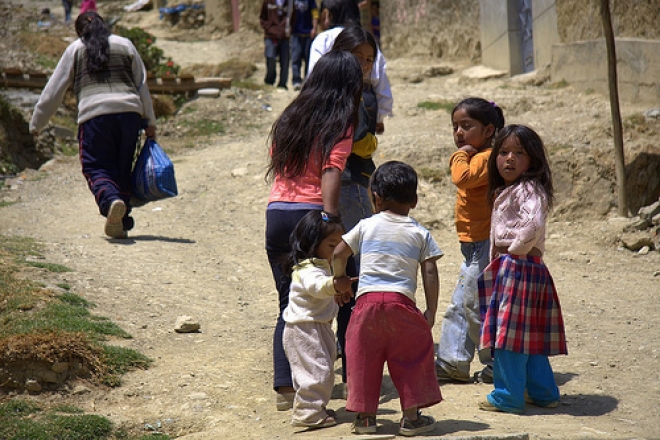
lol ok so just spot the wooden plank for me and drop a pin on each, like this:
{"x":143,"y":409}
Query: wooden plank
{"x":167,"y":84}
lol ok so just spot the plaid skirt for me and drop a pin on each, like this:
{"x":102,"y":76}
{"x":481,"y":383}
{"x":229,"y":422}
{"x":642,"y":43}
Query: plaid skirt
{"x":519,"y":307}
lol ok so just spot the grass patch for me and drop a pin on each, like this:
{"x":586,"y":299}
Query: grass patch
{"x":447,"y":106}
{"x":204,"y":127}
{"x":3,"y":204}
{"x":248,"y":84}
{"x":39,"y":325}
{"x":558,"y":85}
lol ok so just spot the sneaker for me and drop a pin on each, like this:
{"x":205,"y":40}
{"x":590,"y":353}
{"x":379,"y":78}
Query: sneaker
{"x":297,"y":86}
{"x":554,"y":404}
{"x":284,"y":401}
{"x":367,"y":425}
{"x":485,"y":375}
{"x":114,"y":226}
{"x":410,"y":428}
{"x":451,"y":374}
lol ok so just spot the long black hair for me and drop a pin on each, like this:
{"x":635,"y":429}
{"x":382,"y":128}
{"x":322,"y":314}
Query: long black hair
{"x":94,"y":34}
{"x":539,"y":166}
{"x":343,"y":12}
{"x":353,"y":36}
{"x":483,"y":111}
{"x":308,"y":234}
{"x":320,"y":116}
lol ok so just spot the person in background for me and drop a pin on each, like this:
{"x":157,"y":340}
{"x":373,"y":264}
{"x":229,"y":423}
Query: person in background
{"x":305,"y":22}
{"x":343,"y":13}
{"x":386,"y":325}
{"x":375,"y":20}
{"x":305,"y":168}
{"x":67,"y":4}
{"x":275,"y":20}
{"x":87,"y":5}
{"x":110,"y":83}
{"x":309,"y":342}
{"x":522,"y":319}
{"x":354,"y":200}
{"x":475,"y":123}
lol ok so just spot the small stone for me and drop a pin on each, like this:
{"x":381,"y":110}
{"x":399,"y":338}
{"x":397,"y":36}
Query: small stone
{"x":186,"y":324}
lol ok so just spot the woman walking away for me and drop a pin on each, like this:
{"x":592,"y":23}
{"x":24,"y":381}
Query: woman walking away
{"x":109,"y":81}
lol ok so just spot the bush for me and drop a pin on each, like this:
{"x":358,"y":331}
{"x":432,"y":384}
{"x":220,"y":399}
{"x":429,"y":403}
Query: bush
{"x":152,"y":56}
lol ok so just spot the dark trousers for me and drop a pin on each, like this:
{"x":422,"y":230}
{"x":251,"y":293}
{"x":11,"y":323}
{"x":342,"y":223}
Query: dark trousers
{"x":279,"y":225}
{"x":107,"y":148}
{"x":300,"y":45}
{"x":277,"y":49}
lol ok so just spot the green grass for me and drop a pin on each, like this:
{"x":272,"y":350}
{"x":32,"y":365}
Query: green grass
{"x":447,"y":106}
{"x":40,"y":323}
{"x":205,"y":127}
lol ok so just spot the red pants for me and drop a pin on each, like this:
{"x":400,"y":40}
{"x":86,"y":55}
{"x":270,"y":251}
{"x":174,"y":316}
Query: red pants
{"x":388,"y":327}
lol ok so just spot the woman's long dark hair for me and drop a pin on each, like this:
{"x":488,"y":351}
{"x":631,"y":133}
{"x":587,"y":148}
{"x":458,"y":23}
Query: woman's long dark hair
{"x":310,"y":127}
{"x":94,"y":34}
{"x":539,"y":166}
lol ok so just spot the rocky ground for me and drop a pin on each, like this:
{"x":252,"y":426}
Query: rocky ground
{"x":201,"y":255}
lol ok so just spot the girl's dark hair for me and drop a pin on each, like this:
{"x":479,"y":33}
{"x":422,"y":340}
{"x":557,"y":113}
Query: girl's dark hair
{"x":395,"y":181}
{"x":310,"y":127}
{"x":483,"y":111}
{"x":308,"y":234}
{"x":353,"y":36}
{"x":539,"y":166}
{"x":343,"y":12}
{"x":94,"y":33}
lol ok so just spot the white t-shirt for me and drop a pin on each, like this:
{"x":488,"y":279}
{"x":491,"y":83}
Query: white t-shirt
{"x":391,"y":248}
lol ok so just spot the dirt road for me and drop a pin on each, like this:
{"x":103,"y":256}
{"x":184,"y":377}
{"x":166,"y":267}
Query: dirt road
{"x":201,"y":254}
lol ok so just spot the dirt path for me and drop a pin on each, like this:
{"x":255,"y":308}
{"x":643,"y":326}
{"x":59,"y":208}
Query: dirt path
{"x":201,"y":254}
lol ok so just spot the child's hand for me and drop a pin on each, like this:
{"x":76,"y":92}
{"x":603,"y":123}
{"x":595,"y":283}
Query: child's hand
{"x":430,"y":318}
{"x":469,"y":149}
{"x":343,"y":288}
{"x":380,"y":128}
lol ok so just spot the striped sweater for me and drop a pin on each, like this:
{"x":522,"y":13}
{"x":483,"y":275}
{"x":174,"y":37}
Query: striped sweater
{"x":121,"y":88}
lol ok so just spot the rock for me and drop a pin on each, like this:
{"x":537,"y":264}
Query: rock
{"x":649,"y":212}
{"x":186,"y":324}
{"x":432,"y":71}
{"x":32,"y":386}
{"x":636,"y":241}
{"x":483,"y":72}
{"x":239,"y":172}
{"x":208,"y":93}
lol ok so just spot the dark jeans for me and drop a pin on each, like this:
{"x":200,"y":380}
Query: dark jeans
{"x":277,"y":49}
{"x":300,"y":45}
{"x":279,"y":225}
{"x":107,"y":148}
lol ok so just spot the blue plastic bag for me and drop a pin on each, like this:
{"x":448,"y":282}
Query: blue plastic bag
{"x":153,"y":174}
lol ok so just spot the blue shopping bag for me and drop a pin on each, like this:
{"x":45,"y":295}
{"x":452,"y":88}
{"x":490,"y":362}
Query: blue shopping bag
{"x":153,"y":174}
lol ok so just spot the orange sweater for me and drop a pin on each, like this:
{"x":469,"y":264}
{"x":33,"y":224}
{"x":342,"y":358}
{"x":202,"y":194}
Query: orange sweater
{"x":470,"y":175}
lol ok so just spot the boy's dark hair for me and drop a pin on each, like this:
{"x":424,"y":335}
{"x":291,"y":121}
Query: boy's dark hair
{"x":539,"y":166}
{"x":395,"y":181}
{"x":308,"y":234}
{"x":483,"y":111}
{"x":94,"y":33}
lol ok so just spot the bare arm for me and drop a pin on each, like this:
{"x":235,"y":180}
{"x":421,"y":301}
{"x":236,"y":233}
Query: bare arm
{"x":330,"y":188}
{"x":339,"y":259}
{"x":431,"y":284}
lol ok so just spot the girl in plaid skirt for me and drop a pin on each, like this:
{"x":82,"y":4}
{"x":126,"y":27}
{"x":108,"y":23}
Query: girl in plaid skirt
{"x":522,"y":320}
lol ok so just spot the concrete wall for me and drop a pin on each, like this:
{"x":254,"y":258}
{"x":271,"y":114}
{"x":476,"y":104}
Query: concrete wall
{"x":544,"y":17}
{"x":501,"y":35}
{"x":584,"y":66}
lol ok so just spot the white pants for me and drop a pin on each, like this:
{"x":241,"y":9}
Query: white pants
{"x":311,"y":350}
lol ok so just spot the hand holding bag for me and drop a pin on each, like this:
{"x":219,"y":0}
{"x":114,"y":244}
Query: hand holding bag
{"x":153,"y":174}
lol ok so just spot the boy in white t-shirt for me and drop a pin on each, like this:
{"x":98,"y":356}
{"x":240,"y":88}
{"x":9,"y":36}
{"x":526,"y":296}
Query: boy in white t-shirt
{"x":386,"y":325}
